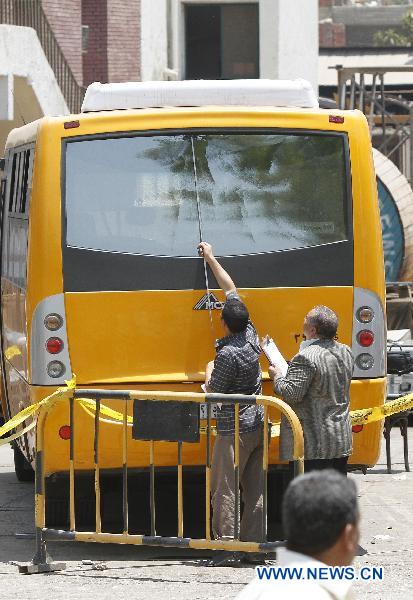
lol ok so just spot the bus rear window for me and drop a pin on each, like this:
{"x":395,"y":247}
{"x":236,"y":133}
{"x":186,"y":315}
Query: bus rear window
{"x":249,"y":193}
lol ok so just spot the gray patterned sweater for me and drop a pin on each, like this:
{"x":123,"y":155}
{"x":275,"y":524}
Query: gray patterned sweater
{"x":317,"y":388}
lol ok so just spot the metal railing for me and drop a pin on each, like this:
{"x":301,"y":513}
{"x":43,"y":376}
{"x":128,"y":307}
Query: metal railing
{"x":364,"y":88}
{"x":42,"y":562}
{"x":367,"y":3}
{"x":29,"y":13}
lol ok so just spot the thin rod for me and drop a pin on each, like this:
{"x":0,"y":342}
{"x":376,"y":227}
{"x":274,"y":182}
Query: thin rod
{"x":201,"y":235}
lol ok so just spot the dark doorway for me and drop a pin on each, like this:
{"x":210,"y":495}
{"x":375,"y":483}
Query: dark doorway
{"x":222,"y":41}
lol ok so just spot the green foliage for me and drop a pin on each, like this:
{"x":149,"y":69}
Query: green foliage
{"x":390,"y":37}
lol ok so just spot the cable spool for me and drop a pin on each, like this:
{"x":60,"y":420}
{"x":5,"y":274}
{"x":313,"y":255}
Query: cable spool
{"x":396,"y":215}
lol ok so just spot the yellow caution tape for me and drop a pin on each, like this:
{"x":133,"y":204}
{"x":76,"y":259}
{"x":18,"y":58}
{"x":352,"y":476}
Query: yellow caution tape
{"x":358,"y":417}
{"x":90,"y":407}
{"x":377,"y":413}
{"x":30,"y":411}
{"x":12,"y":351}
{"x":13,"y":437}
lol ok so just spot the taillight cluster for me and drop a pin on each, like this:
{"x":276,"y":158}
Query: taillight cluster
{"x":365,"y":338}
{"x":54,"y":345}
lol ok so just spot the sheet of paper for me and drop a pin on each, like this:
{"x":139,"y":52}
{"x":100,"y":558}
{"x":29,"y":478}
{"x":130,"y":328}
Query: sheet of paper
{"x":219,"y":404}
{"x":275,"y":357}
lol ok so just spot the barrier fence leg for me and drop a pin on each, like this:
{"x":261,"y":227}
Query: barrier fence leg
{"x":41,"y":562}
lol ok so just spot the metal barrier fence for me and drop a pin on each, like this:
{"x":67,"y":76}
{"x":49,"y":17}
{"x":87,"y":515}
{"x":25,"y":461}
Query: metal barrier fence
{"x":42,"y":562}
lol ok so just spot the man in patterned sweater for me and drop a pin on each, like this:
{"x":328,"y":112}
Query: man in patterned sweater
{"x":236,"y":370}
{"x":317,"y":388}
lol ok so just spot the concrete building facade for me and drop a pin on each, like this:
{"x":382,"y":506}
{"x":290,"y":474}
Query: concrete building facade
{"x":354,"y":23}
{"x":132,"y":40}
{"x":286,"y":38}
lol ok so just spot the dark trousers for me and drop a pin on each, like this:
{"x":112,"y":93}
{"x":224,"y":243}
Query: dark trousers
{"x":318,"y":464}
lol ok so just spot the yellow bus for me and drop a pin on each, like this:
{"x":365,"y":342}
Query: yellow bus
{"x":101,"y":218}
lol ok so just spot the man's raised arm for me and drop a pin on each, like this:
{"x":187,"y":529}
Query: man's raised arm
{"x":224,"y":280}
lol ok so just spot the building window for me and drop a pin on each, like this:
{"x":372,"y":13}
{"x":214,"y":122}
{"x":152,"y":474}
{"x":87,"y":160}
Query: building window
{"x":222,"y":41}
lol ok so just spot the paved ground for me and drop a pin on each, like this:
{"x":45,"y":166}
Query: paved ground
{"x":387,"y":510}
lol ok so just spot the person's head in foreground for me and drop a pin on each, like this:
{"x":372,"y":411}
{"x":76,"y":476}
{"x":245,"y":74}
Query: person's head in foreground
{"x":320,"y":323}
{"x":321,"y":517}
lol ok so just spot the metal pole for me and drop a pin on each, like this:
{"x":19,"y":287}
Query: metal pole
{"x":152,"y":486}
{"x":208,"y":476}
{"x":410,"y":174}
{"x":264,"y":475}
{"x":125,"y":467}
{"x":383,"y":111}
{"x":352,"y":92}
{"x":236,"y":473}
{"x":72,"y":512}
{"x":372,"y":103}
{"x":97,"y":471}
{"x":180,"y":494}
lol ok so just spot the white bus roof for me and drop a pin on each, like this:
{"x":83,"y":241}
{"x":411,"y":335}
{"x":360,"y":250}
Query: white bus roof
{"x":236,"y":92}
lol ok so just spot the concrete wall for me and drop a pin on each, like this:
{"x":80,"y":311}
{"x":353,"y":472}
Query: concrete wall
{"x":154,"y":40}
{"x":288,"y":32}
{"x":65,"y":18}
{"x":35,"y":91}
{"x":296,"y":36}
{"x":380,"y":16}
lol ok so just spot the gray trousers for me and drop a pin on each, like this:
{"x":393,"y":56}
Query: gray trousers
{"x":251,"y":481}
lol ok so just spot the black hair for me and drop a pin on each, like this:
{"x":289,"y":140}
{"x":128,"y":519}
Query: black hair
{"x":324,"y":320}
{"x":235,"y":315}
{"x":316,"y":508}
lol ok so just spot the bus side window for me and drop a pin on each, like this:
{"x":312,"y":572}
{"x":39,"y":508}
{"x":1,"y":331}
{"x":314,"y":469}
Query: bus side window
{"x":20,"y":182}
{"x":15,"y":226}
{"x":25,"y":182}
{"x":12,"y":191}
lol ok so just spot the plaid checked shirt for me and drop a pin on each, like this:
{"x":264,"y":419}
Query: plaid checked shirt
{"x":237,"y":371}
{"x":317,"y":388}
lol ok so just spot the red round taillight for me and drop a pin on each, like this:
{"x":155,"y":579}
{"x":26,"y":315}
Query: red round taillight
{"x":54,"y":345}
{"x":64,"y":432}
{"x":357,"y":428}
{"x":365,"y":338}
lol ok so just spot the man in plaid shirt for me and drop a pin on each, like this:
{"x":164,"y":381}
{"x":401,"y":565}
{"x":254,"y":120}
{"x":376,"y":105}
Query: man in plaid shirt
{"x":236,"y":370}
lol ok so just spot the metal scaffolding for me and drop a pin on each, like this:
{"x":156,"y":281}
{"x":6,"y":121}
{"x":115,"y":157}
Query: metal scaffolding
{"x":364,"y":88}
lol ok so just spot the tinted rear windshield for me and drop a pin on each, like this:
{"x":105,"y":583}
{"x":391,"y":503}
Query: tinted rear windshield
{"x":244,"y":193}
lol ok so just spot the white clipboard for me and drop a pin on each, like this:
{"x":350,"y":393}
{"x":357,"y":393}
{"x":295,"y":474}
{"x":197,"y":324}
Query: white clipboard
{"x":269,"y":347}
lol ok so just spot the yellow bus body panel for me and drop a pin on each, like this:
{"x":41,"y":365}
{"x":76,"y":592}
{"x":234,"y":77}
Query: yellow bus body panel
{"x":366,"y":444}
{"x":154,"y":338}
